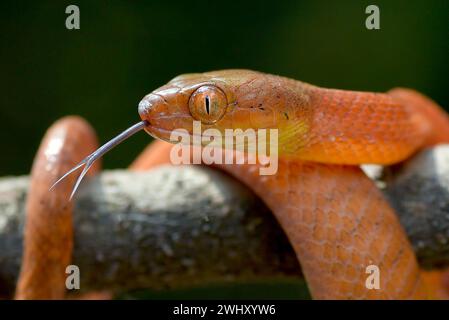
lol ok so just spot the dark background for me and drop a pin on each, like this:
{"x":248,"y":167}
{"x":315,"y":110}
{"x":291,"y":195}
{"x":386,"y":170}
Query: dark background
{"x":124,"y":50}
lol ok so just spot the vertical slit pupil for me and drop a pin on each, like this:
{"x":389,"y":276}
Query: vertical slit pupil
{"x":207,"y":105}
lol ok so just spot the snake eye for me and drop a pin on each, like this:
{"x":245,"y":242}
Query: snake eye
{"x":208,"y":104}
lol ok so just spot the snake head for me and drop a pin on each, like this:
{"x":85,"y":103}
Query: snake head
{"x":185,"y":99}
{"x":229,"y":99}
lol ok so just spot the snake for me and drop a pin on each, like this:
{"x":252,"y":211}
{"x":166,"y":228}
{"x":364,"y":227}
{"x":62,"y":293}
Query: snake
{"x":337,"y":221}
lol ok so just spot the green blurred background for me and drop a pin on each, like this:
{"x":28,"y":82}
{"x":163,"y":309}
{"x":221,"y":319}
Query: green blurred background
{"x":125,"y":49}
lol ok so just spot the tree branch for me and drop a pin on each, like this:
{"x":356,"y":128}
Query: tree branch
{"x":166,"y":228}
{"x":181,"y":226}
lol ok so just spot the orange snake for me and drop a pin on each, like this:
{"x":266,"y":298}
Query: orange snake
{"x":334,"y":216}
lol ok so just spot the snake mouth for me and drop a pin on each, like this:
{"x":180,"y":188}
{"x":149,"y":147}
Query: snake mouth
{"x":183,"y":136}
{"x":166,"y":135}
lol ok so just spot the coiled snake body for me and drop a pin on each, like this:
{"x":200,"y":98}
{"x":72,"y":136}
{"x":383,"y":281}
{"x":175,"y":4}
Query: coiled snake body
{"x":334,"y":216}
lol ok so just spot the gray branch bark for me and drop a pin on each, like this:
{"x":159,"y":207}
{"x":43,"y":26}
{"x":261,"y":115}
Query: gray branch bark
{"x":182,"y":226}
{"x":168,"y":228}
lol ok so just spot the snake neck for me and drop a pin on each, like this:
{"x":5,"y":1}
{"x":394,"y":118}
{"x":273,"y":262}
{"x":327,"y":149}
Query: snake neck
{"x":349,"y":127}
{"x":327,"y":125}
